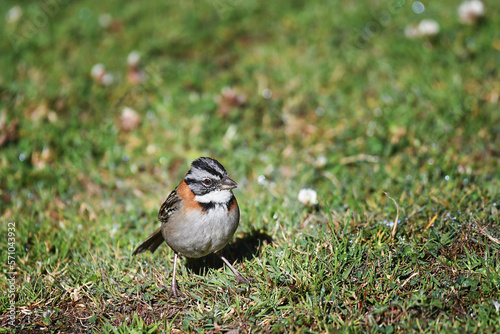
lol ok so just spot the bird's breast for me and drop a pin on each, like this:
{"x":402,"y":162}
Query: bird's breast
{"x":195,"y":233}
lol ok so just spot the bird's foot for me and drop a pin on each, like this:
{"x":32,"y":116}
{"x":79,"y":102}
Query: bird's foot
{"x":241,"y":280}
{"x":174,"y":291}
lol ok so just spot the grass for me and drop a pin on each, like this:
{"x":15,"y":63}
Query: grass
{"x":406,"y":234}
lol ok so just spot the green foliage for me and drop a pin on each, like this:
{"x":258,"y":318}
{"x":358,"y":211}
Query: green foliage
{"x":413,"y":119}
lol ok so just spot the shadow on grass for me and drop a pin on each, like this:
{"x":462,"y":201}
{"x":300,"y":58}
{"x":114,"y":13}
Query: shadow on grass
{"x":238,"y":251}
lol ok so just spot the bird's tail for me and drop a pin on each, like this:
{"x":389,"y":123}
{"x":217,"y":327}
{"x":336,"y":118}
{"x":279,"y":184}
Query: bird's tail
{"x":151,"y":243}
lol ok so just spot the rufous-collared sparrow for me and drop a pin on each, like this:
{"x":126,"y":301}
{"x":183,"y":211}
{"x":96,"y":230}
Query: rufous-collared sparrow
{"x":199,"y":216}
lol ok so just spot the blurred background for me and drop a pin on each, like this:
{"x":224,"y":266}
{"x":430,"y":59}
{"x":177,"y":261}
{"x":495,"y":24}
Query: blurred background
{"x":103,"y":105}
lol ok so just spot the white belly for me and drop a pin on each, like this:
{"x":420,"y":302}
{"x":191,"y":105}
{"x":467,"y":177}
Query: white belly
{"x":203,"y":233}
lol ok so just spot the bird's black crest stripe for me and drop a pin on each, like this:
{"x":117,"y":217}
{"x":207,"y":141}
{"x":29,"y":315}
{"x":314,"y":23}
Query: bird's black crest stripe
{"x":207,"y":168}
{"x":210,"y":165}
{"x":189,"y":181}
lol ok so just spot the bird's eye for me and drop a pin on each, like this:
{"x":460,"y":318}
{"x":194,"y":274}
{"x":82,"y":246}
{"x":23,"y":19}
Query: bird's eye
{"x":207,"y":182}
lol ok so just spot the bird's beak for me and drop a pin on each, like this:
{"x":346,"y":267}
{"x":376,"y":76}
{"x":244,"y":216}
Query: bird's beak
{"x":227,"y":184}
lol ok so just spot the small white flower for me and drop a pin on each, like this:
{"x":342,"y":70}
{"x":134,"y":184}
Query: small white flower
{"x":107,"y":79}
{"x":321,"y":161}
{"x":14,"y":14}
{"x":129,"y":119}
{"x":100,"y":75}
{"x":469,"y":12}
{"x":428,"y":28}
{"x":133,"y":59}
{"x":424,"y":28}
{"x":151,"y":149}
{"x":105,"y":20}
{"x":267,"y":93}
{"x":308,"y":197}
{"x":411,"y":32}
{"x":97,"y":72}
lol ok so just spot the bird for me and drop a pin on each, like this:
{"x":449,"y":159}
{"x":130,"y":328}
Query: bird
{"x":199,"y":217}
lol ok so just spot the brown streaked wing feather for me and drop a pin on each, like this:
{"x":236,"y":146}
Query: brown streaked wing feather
{"x":170,"y":205}
{"x":156,"y":239}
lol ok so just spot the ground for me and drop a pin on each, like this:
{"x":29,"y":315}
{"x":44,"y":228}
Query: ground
{"x":399,"y":138}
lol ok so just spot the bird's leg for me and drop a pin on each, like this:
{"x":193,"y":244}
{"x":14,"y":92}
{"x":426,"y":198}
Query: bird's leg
{"x":174,"y":292}
{"x":239,"y":278}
